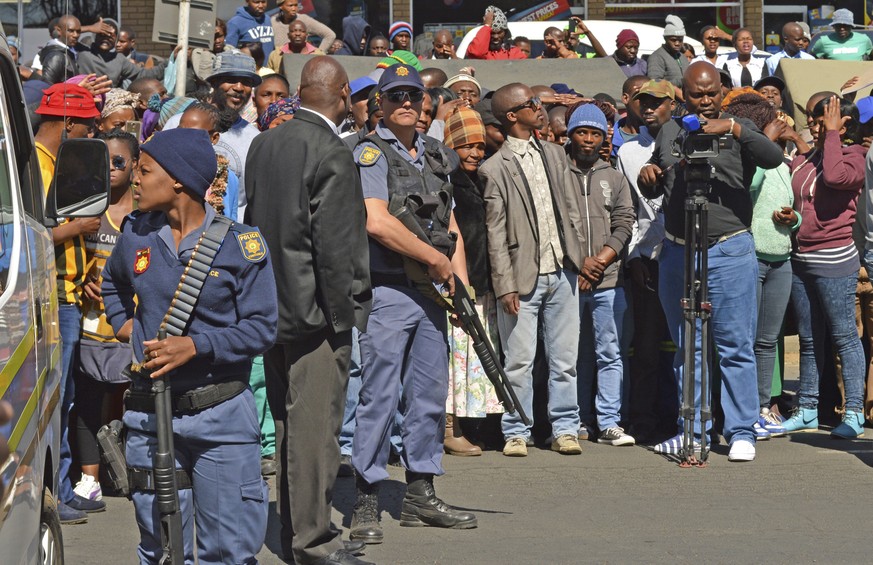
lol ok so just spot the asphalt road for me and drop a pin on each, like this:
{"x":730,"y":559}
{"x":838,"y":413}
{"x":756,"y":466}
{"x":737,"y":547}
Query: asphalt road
{"x":806,"y":498}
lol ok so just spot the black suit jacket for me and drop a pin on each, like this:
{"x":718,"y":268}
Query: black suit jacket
{"x":304,"y":194}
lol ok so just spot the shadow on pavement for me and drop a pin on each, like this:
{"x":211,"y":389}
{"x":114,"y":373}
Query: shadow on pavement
{"x":860,"y":448}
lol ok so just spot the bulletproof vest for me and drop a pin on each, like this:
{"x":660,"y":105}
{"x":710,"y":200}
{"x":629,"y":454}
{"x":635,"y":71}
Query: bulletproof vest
{"x":427,"y":194}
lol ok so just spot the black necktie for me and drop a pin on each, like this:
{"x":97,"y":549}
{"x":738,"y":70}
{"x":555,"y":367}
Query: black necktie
{"x":746,"y":77}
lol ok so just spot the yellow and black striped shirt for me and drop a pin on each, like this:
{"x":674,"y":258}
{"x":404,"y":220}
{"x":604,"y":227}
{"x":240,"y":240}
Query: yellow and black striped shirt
{"x":69,"y":255}
{"x":98,"y":247}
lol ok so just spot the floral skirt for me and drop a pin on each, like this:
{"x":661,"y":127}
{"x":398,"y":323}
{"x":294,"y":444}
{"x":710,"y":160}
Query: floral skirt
{"x":471,"y":394}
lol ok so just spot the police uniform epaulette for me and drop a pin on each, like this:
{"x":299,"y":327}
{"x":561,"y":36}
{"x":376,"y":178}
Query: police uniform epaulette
{"x":132,"y":217}
{"x":251,"y":243}
{"x":366,"y":153}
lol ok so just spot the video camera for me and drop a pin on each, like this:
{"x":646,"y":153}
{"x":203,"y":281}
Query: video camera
{"x":697,"y":145}
{"x":696,"y":149}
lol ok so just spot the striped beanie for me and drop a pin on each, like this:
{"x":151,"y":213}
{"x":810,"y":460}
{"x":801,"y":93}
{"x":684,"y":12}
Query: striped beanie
{"x":464,"y":127}
{"x":400,"y":57}
{"x":172,"y":106}
{"x":399,"y":27}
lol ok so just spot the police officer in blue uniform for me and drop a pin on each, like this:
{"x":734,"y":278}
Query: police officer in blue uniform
{"x":217,"y":437}
{"x":405,"y":340}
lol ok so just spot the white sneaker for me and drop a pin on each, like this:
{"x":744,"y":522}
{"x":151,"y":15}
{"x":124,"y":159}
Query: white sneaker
{"x":88,"y":488}
{"x":742,"y":450}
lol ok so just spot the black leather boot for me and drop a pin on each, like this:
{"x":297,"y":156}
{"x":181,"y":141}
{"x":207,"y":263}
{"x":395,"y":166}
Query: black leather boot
{"x":365,"y":517}
{"x":421,"y":507}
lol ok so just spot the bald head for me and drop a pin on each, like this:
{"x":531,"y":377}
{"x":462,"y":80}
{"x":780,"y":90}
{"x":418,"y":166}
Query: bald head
{"x":699,"y":69}
{"x":324,"y":87}
{"x":792,"y":37}
{"x":321,"y":76}
{"x":541,"y":90}
{"x":790,"y":28}
{"x":433,"y":76}
{"x":553,"y":32}
{"x":508,"y":97}
{"x":442,"y":36}
{"x":701,"y":85}
{"x":68,"y":29}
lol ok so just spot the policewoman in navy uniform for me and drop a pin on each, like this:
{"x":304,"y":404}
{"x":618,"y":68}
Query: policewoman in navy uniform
{"x":217,"y":442}
{"x":405,"y":341}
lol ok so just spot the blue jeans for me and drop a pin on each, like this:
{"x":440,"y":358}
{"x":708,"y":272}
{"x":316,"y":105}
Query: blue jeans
{"x":553,"y":298}
{"x":70,"y":321}
{"x":733,"y":273}
{"x":824,"y":305}
{"x":774,"y":289}
{"x":604,"y":311}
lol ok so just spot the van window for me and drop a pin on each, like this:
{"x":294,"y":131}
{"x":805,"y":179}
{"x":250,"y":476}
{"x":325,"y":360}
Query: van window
{"x":18,"y":133}
{"x":7,"y":218}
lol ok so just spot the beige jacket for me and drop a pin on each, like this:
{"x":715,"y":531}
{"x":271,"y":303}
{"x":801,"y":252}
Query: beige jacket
{"x":513,"y":240}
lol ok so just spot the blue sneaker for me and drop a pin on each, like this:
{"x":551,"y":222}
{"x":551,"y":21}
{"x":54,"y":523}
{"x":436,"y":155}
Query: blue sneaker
{"x":803,"y":420}
{"x":761,"y":432}
{"x":69,"y":515}
{"x":851,"y":427}
{"x":772,"y":423}
{"x":85,"y":505}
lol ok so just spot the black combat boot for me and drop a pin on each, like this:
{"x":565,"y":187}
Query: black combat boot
{"x":421,"y":507}
{"x":365,"y":517}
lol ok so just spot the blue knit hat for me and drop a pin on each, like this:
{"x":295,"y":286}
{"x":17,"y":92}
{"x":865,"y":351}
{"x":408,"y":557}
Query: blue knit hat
{"x":187,"y":155}
{"x":587,"y":115}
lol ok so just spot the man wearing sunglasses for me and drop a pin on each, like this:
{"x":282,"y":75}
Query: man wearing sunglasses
{"x":534,"y":246}
{"x":405,"y":340}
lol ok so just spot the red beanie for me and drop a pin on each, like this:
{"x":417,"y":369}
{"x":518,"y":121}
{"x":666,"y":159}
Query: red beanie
{"x":624,"y":36}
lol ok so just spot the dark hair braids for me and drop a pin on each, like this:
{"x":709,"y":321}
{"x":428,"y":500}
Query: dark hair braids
{"x":753,"y":107}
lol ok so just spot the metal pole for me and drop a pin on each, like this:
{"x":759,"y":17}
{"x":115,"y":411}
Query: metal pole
{"x":182,"y":57}
{"x":20,"y":23}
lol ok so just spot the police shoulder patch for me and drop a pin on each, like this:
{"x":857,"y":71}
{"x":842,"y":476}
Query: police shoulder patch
{"x":369,"y":155}
{"x":252,"y":245}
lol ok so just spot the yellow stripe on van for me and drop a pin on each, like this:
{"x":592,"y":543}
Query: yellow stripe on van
{"x":32,"y":403}
{"x":15,"y":362}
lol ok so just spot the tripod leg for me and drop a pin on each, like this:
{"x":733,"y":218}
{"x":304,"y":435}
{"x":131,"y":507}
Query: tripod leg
{"x":689,"y":308}
{"x":705,"y":313}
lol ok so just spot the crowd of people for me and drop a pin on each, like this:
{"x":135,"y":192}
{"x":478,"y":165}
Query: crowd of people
{"x":337,"y":352}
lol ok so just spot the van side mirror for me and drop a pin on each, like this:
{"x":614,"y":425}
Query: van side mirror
{"x":80,"y":187}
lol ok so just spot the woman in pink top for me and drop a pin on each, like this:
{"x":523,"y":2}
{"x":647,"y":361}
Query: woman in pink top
{"x":826,"y":182}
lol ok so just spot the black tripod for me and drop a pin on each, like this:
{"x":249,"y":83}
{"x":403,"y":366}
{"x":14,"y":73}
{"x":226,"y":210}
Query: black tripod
{"x":696,"y":306}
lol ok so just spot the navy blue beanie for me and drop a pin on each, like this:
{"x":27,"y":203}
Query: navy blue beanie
{"x":187,"y":156}
{"x":587,"y":115}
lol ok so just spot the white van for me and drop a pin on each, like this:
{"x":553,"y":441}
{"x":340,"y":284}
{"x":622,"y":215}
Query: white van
{"x":30,"y":347}
{"x":651,"y":37}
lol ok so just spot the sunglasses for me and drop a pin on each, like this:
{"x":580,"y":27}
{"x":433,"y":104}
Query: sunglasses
{"x":119,"y":163}
{"x":534,"y":104}
{"x":401,"y":96}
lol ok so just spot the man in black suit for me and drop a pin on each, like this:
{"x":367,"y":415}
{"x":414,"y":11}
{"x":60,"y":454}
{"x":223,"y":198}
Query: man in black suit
{"x":305,"y":195}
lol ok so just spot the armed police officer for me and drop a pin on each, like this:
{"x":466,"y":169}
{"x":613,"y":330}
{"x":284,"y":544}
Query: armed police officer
{"x":733,"y":269}
{"x":215,"y":423}
{"x":405,"y":176}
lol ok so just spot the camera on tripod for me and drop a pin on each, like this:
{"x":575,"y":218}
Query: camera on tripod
{"x":696,"y":144}
{"x":697,"y":148}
